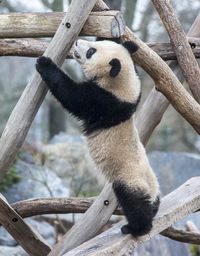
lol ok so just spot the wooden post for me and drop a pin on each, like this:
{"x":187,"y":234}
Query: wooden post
{"x":175,"y":206}
{"x":181,"y":46}
{"x":32,"y":243}
{"x":24,"y":112}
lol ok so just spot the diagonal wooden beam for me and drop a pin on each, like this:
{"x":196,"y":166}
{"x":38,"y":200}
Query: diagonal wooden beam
{"x":175,"y":206}
{"x":32,"y":242}
{"x":98,"y":214}
{"x":24,"y":112}
{"x":185,"y":57}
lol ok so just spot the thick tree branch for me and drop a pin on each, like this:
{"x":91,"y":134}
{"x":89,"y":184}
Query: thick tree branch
{"x":101,"y":24}
{"x":182,"y":235}
{"x":156,"y":103}
{"x":98,"y":214}
{"x":166,"y":82}
{"x":21,"y":231}
{"x":175,"y":206}
{"x":24,"y":112}
{"x":181,"y":46}
{"x":33,"y":48}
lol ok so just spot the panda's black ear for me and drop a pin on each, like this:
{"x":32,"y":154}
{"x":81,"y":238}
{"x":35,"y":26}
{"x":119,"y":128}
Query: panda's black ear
{"x":115,"y":67}
{"x":131,"y":46}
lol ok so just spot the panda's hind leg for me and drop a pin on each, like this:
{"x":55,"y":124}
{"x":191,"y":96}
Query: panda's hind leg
{"x":137,"y":207}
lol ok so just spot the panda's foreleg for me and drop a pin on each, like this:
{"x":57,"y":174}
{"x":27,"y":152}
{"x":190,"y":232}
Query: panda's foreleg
{"x":63,"y":88}
{"x":137,"y":207}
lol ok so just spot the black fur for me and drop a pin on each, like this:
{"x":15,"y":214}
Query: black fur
{"x":137,"y":208}
{"x":96,"y":107}
{"x":116,"y":67}
{"x":131,"y":46}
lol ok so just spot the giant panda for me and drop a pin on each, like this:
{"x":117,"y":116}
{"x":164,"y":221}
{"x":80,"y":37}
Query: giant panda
{"x":105,"y":103}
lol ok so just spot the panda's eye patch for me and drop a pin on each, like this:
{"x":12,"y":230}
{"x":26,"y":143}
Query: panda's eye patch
{"x":90,"y":52}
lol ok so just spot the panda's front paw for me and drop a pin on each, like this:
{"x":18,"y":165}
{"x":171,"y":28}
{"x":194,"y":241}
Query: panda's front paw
{"x":43,"y":64}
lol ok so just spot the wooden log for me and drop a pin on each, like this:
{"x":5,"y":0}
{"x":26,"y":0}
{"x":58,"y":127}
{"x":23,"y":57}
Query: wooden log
{"x":90,"y":223}
{"x":165,"y":81}
{"x":33,"y":207}
{"x":185,"y":57}
{"x":97,"y":212}
{"x":33,"y":48}
{"x":150,"y":114}
{"x":175,"y":206}
{"x":32,"y":242}
{"x":101,"y":24}
{"x":182,"y":235}
{"x":24,"y":112}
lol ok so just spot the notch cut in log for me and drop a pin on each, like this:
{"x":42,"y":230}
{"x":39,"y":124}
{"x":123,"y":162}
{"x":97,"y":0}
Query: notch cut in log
{"x":35,"y":47}
{"x":101,"y":24}
{"x":32,"y":242}
{"x":175,"y":206}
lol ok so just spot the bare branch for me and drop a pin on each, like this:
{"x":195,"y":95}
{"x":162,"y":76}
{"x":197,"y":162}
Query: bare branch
{"x":182,"y":236}
{"x":29,"y":47}
{"x":21,"y":231}
{"x":181,"y":46}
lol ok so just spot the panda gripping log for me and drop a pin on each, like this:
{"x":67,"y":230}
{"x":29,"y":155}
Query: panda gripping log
{"x":105,"y":104}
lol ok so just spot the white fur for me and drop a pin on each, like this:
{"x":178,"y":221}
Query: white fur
{"x":117,"y":151}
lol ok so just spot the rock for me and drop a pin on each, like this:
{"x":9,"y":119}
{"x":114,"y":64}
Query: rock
{"x":36,"y":182}
{"x":68,"y":156}
{"x":173,"y":169}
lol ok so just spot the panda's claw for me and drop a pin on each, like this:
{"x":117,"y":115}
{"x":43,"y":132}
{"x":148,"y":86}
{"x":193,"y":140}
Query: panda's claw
{"x":125,"y":229}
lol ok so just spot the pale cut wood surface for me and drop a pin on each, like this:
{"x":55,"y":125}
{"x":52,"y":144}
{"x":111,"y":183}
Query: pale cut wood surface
{"x":29,"y":47}
{"x":24,"y":112}
{"x":175,"y":206}
{"x":185,"y":57}
{"x":22,"y":232}
{"x":101,"y":24}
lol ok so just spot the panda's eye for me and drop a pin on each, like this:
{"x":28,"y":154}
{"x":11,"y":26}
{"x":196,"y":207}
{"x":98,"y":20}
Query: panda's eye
{"x":90,"y":52}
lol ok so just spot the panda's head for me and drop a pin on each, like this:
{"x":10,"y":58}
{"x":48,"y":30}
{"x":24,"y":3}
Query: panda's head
{"x":110,"y":64}
{"x":103,"y":58}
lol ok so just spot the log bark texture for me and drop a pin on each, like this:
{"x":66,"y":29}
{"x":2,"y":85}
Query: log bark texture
{"x":24,"y":112}
{"x":33,"y":48}
{"x":175,"y":206}
{"x":101,"y":24}
{"x":180,"y":45}
{"x":33,"y":207}
{"x":22,"y":232}
{"x":165,"y":81}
